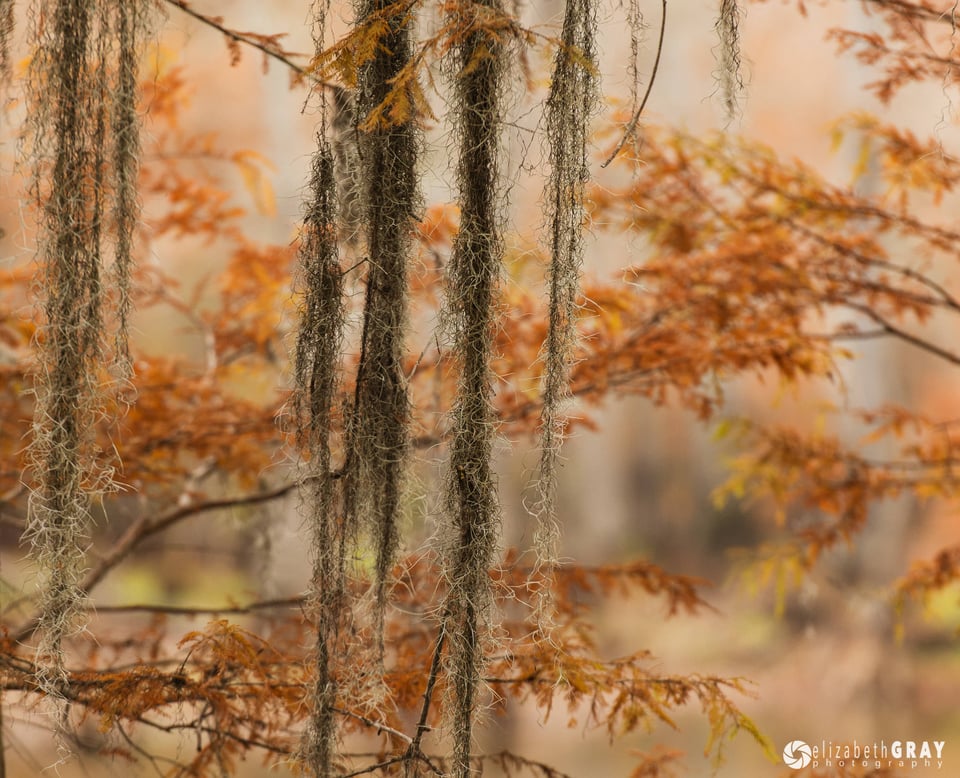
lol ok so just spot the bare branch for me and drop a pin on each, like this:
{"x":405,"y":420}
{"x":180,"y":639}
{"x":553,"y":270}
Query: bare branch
{"x":147,"y":526}
{"x":632,"y":124}
{"x":905,"y":336}
{"x":261,"y":43}
{"x":174,"y":610}
{"x":377,"y":725}
{"x":422,"y":727}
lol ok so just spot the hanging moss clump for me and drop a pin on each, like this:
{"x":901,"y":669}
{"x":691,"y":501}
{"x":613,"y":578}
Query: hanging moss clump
{"x":378,"y":426}
{"x":130,"y":26}
{"x":6,"y":33}
{"x":316,"y":368}
{"x":83,"y":124}
{"x":728,"y":66}
{"x":470,"y":492}
{"x":347,"y":169}
{"x":364,"y":188}
{"x":572,"y":98}
{"x":316,"y":384}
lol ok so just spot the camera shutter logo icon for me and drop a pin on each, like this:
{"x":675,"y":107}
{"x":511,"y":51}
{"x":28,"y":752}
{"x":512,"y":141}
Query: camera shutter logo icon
{"x":797,"y":754}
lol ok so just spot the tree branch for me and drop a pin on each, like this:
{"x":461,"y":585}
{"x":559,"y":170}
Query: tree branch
{"x":422,"y":727}
{"x":374,"y":767}
{"x":903,"y":335}
{"x":943,"y":297}
{"x":147,"y":526}
{"x":377,"y":725}
{"x":632,"y":125}
{"x":913,"y":11}
{"x":262,"y":43}
{"x":175,"y":610}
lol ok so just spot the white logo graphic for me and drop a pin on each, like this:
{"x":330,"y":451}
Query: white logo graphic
{"x":797,"y":754}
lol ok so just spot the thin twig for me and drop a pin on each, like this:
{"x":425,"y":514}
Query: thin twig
{"x":946,"y":300}
{"x":912,"y":10}
{"x":913,"y":340}
{"x":508,"y":756}
{"x":632,"y":126}
{"x":175,"y":610}
{"x":374,"y":767}
{"x":147,"y":526}
{"x":415,"y":751}
{"x":278,"y":54}
{"x":151,"y":758}
{"x":377,"y":725}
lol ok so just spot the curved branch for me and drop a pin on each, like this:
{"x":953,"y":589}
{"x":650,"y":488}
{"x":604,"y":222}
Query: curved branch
{"x":944,"y":298}
{"x":260,"y":43}
{"x":632,"y":125}
{"x":147,"y":526}
{"x":903,"y":335}
{"x":912,"y":11}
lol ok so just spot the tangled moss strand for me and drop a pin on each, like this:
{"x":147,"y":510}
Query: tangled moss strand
{"x":470,"y":497}
{"x":378,"y":438}
{"x":76,"y":96}
{"x":130,"y":27}
{"x":61,"y":447}
{"x":365,"y":179}
{"x":316,"y":372}
{"x":637,"y":27}
{"x":572,"y":98}
{"x":6,"y":33}
{"x":346,"y":166}
{"x":729,"y":75}
{"x":317,"y":377}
